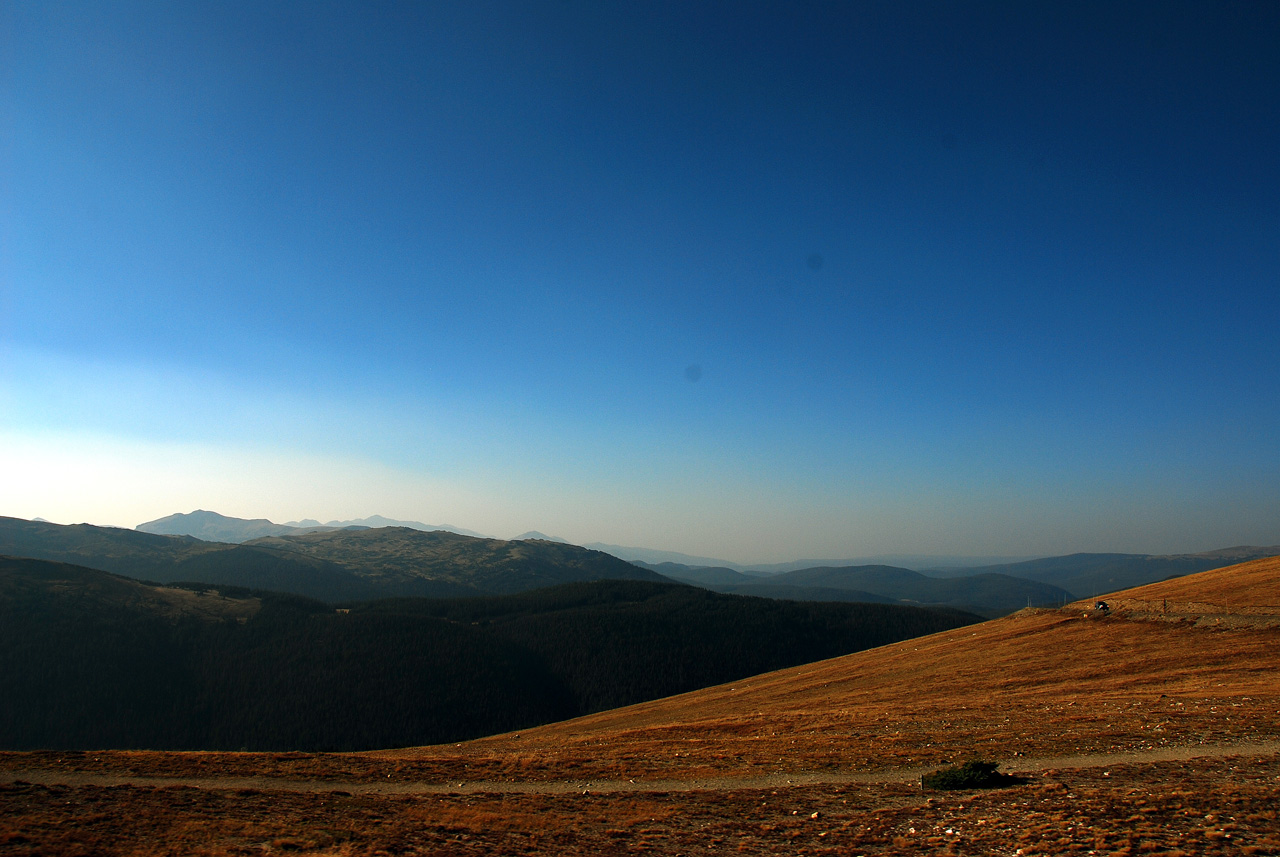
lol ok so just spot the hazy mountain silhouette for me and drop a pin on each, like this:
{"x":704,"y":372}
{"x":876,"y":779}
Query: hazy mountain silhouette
{"x":986,"y":593}
{"x":1089,"y":574}
{"x":654,"y":557}
{"x":376,"y":521}
{"x":542,"y":537}
{"x":212,"y":527}
{"x":925,"y":563}
{"x":650,"y":558}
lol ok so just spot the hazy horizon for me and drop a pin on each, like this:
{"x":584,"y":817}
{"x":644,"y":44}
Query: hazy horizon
{"x":754,"y":282}
{"x":908,"y":560}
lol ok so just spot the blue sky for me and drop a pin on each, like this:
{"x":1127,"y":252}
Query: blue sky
{"x":748,"y":280}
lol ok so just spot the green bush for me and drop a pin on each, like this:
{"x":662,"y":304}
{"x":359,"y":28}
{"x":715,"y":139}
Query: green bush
{"x":971,"y":775}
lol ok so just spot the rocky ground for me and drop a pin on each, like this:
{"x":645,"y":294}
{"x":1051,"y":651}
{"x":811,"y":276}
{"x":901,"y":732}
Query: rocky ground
{"x":1208,"y":805}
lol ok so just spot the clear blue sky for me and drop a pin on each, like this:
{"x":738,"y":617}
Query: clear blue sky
{"x":750,"y":280}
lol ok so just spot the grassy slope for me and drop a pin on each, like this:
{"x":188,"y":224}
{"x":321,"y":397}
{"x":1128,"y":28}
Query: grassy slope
{"x":1036,"y":683}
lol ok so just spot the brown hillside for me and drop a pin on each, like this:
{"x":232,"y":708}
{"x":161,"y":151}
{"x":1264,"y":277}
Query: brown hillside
{"x":1038,"y":683}
{"x":1253,"y":586}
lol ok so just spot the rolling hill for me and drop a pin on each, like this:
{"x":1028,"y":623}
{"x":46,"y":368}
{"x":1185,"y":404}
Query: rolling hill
{"x":698,"y":575}
{"x":168,"y":559}
{"x":399,"y":555}
{"x":333,"y":565}
{"x":141,"y":555}
{"x":987,"y":593}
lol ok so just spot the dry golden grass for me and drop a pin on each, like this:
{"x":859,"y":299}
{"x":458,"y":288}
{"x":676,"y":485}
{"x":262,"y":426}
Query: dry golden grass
{"x":1249,"y":584}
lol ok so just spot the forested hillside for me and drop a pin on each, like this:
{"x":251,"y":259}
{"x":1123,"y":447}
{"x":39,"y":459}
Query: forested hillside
{"x":93,"y":660}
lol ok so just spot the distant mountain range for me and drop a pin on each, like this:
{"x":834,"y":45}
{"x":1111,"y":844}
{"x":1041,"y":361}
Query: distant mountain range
{"x":989,"y":594}
{"x":916,"y":562}
{"x":359,"y":563}
{"x":924,"y":563}
{"x":213,"y":527}
{"x":329,"y":565}
{"x":376,"y":521}
{"x":1088,"y":574}
{"x":990,"y":590}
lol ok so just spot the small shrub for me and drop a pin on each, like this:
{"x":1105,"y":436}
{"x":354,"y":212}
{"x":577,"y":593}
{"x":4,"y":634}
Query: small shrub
{"x":971,"y":775}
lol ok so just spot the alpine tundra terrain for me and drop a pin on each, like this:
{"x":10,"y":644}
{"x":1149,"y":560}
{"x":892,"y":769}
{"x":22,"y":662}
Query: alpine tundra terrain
{"x":1153,"y":727}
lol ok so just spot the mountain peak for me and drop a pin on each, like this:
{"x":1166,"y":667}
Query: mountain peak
{"x":542,"y":537}
{"x":213,"y":527}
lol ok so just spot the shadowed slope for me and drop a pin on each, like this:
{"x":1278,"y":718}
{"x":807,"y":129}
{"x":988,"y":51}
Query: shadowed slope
{"x":995,"y":593}
{"x":169,"y":559}
{"x":33,"y":582}
{"x":141,"y":555}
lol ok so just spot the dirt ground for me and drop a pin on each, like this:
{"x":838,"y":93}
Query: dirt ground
{"x":1140,"y":733}
{"x":1225,"y":805}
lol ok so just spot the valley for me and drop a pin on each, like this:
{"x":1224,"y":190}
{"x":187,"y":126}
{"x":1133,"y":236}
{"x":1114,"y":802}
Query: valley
{"x":89,"y":659}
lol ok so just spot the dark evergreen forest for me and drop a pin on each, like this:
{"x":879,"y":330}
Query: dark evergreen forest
{"x":94,"y":672}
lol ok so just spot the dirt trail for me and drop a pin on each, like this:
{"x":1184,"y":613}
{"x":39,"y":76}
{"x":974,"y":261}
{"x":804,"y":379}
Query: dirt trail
{"x":44,"y":776}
